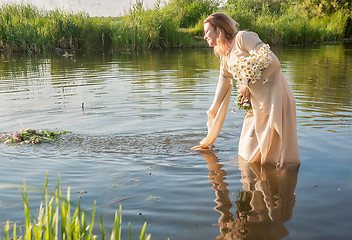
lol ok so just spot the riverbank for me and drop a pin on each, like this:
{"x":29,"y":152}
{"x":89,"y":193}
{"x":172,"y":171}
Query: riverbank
{"x":177,"y":24}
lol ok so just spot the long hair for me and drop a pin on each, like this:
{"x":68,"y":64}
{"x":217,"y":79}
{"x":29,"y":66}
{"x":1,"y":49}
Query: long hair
{"x":226,"y":29}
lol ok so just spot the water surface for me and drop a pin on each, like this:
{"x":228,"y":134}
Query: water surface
{"x":131,"y":121}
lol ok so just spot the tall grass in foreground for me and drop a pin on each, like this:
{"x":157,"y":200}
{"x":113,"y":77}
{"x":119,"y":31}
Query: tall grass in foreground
{"x":55,"y":220}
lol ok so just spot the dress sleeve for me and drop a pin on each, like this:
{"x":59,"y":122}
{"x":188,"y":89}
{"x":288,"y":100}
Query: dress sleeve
{"x":247,"y":41}
{"x":218,"y":110}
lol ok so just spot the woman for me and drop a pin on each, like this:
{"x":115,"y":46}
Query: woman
{"x":269,"y":133}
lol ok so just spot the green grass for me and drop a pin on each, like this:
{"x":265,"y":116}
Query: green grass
{"x":294,"y":28}
{"x":56,"y":220}
{"x":26,"y":28}
{"x":179,"y":23}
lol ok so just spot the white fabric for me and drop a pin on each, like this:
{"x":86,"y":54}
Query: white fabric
{"x":269,"y":133}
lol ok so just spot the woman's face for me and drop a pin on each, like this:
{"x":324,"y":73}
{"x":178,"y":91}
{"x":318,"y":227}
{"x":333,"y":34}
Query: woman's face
{"x":210,"y":34}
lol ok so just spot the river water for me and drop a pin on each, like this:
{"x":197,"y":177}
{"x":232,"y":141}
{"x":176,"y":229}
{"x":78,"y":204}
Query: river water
{"x":131,"y":120}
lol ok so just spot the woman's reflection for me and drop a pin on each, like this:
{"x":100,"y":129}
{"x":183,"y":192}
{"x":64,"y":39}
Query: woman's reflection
{"x":264,"y":204}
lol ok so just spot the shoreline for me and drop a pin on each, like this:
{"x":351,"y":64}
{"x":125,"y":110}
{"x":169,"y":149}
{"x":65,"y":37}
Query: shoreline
{"x":26,"y":28}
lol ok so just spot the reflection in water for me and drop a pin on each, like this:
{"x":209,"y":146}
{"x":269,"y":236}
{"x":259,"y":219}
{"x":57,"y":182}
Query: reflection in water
{"x":148,"y":83}
{"x":264,"y":205}
{"x":146,"y":110}
{"x":121,"y":90}
{"x":270,"y":196}
{"x":217,"y":177}
{"x":321,"y":77}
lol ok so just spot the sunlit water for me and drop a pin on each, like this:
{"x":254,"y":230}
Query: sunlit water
{"x":132,"y":120}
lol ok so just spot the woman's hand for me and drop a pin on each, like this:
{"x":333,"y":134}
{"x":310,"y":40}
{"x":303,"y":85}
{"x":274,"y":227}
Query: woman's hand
{"x":243,"y":92}
{"x":199,"y":148}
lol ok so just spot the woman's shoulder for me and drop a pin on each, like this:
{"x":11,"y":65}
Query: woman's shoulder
{"x":246,"y":34}
{"x":246,"y":40}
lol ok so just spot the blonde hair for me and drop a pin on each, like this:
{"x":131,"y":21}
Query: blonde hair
{"x":226,"y":29}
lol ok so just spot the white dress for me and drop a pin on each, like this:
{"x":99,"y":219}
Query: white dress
{"x":269,"y":133}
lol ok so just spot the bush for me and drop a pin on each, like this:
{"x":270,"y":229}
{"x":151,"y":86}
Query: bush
{"x":190,"y":12}
{"x":292,"y":21}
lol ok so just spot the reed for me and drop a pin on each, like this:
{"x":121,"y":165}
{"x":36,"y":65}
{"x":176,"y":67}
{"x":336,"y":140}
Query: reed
{"x":26,"y":28}
{"x":142,"y":29}
{"x":56,"y":220}
{"x":179,"y":23}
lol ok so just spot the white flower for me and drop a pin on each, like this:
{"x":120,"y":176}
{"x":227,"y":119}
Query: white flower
{"x":252,"y":52}
{"x":249,"y":68}
{"x":246,"y":104}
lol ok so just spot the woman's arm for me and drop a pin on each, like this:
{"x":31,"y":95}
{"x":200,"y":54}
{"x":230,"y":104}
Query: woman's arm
{"x":224,"y":83}
{"x":248,"y":41}
{"x":218,"y":110}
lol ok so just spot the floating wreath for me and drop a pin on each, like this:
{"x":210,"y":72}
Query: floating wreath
{"x":33,"y":136}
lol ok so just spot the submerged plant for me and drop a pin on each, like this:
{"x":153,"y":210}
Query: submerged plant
{"x":55,"y":221}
